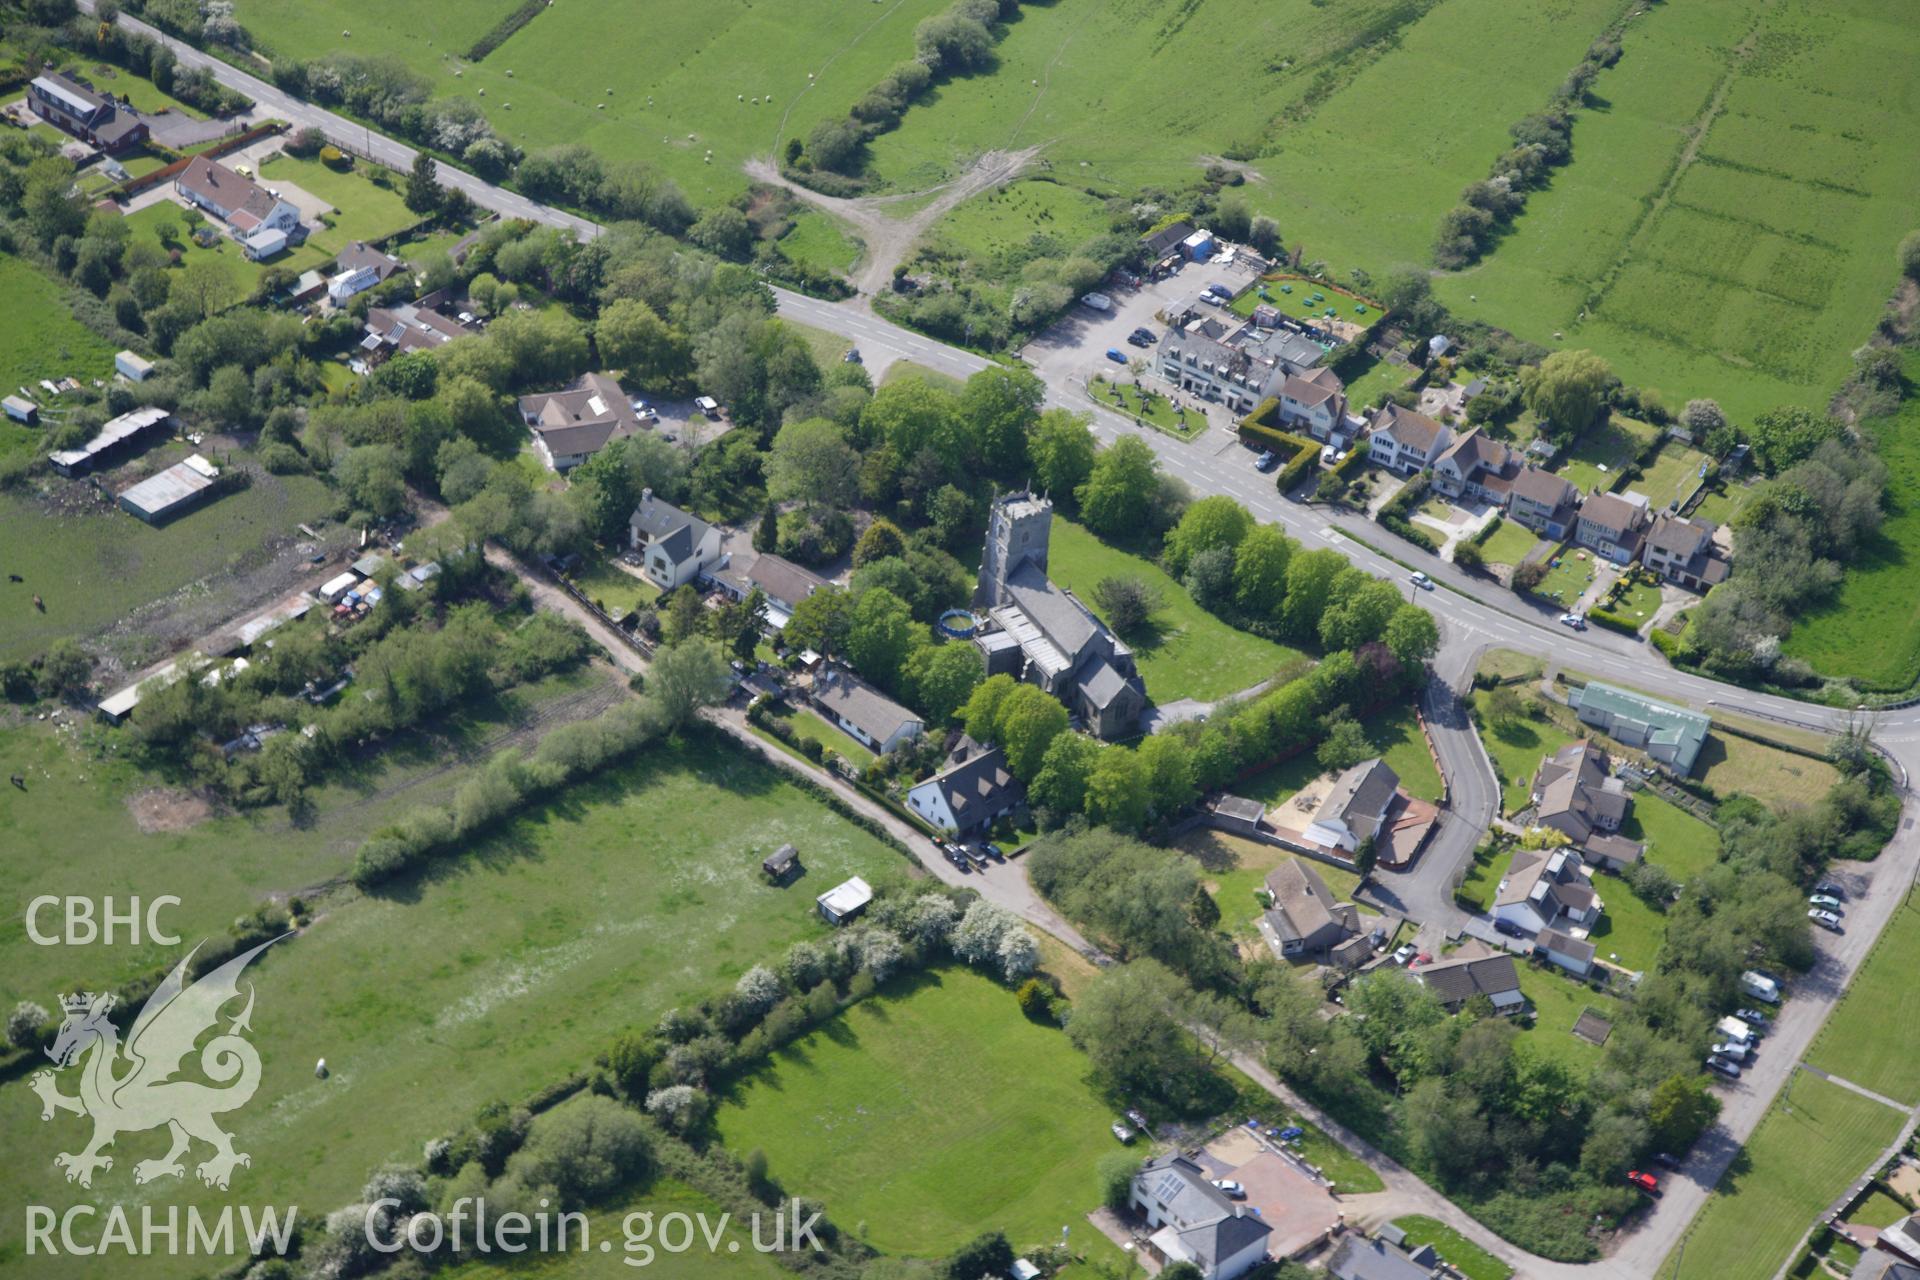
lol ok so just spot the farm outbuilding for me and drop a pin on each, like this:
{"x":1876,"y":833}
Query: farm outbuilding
{"x":159,"y":498}
{"x":21,"y":409}
{"x":781,"y":863}
{"x":132,"y":366}
{"x":845,"y":900}
{"x":110,"y":442}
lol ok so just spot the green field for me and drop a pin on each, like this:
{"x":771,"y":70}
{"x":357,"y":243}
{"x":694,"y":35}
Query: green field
{"x":1871,"y":628}
{"x":1868,"y":1039}
{"x":1791,"y":1168}
{"x":482,"y":979}
{"x":998,"y":222}
{"x":1190,"y":653}
{"x":1473,"y":1261}
{"x":819,"y":240}
{"x":39,"y":338}
{"x":431,"y":40}
{"x":1743,"y":264}
{"x":1510,"y":543}
{"x":63,"y":556}
{"x":929,"y":1114}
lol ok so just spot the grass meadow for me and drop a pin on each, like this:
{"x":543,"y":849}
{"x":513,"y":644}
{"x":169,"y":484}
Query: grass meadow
{"x":929,"y":1114}
{"x":39,"y":338}
{"x":1868,"y":1039}
{"x":1474,"y":1262}
{"x":479,"y":980}
{"x":1803,"y":1154}
{"x":1188,"y":652}
{"x":1726,"y":227}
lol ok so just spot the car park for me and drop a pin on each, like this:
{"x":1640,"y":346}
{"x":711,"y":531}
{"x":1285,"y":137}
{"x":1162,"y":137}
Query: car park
{"x":1824,"y":901}
{"x":1825,"y":919}
{"x":1231,"y":1189}
{"x":1422,"y":581}
{"x":1645,"y":1181}
{"x":1573,"y":620}
{"x":1723,"y":1067}
{"x":1266,"y":461}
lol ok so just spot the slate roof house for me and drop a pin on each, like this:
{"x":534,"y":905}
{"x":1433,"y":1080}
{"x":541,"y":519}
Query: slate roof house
{"x":1476,"y":468}
{"x":784,"y":584}
{"x":1669,"y":734}
{"x":1612,"y":525}
{"x":1315,"y":402}
{"x":406,"y":328}
{"x":1575,"y":955}
{"x":1241,"y":372}
{"x":1682,"y":551}
{"x":1543,"y":502}
{"x":1575,"y":794}
{"x":1405,"y":442}
{"x":863,"y":712}
{"x":73,"y":107}
{"x":1454,"y":982}
{"x":970,"y":793}
{"x":1359,"y":1258}
{"x":1304,"y":921}
{"x":675,"y":547}
{"x":1193,"y":1221}
{"x":1356,"y":808}
{"x":241,"y":203}
{"x":571,"y":426}
{"x":358,"y":268}
{"x":1042,"y":634}
{"x":1543,"y":887}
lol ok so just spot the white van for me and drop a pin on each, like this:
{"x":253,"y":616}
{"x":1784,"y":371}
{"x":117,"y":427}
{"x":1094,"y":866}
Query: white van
{"x":1734,"y":1030}
{"x":1760,"y":987}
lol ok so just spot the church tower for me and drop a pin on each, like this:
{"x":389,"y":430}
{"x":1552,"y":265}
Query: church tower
{"x":1017,"y":532}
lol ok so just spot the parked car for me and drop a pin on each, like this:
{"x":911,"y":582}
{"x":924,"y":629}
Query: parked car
{"x":1732,"y":1051}
{"x":852,"y":356}
{"x":1098,"y":301}
{"x":1645,"y":1181}
{"x":645,"y":412}
{"x":1145,"y":335}
{"x":1828,"y":888}
{"x":976,"y":855}
{"x":1139,"y":1120}
{"x":1292,"y":1133}
{"x":1666,"y":1161}
{"x":1134,"y":339}
{"x":1724,"y":1067}
{"x":1825,"y":919}
{"x":1266,"y":461}
{"x":1753,"y":1018}
{"x":1826,"y":902}
{"x":1121,"y":1131}
{"x":1573,"y":620}
{"x":1231,"y":1189}
{"x":1404,"y":954}
{"x":994,"y":852}
{"x":1509,"y":928}
{"x":1422,"y":581}
{"x":1114,"y":354}
{"x":1220,"y":291}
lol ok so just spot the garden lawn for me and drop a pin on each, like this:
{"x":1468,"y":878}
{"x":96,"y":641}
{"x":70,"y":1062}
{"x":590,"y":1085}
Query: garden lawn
{"x":164,"y":224}
{"x":1869,"y":1038}
{"x":616,"y":590}
{"x":1394,"y":733}
{"x":1510,"y":543}
{"x":1379,"y":376}
{"x":1675,"y":839}
{"x":1725,"y":228}
{"x":1558,"y":1000}
{"x":1782,"y":780}
{"x":807,"y":725}
{"x":1144,"y":402}
{"x":1878,"y":1210}
{"x":931,"y":1113}
{"x":1721,"y":506}
{"x":1630,"y":933}
{"x":1473,"y":1262}
{"x":1596,"y":459}
{"x":1483,"y":877}
{"x":522,"y":957}
{"x":1674,"y":473}
{"x":39,"y":338}
{"x":1186,"y":652}
{"x":1309,"y":300}
{"x":1870,"y":629}
{"x":1236,"y":870}
{"x":1517,"y":749}
{"x":1791,"y":1168}
{"x":1568,"y":579}
{"x":1639,"y":602}
{"x":363,"y":210}
{"x":66,"y":558}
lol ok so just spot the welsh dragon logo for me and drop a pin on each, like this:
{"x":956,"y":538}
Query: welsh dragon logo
{"x":130,"y":1088}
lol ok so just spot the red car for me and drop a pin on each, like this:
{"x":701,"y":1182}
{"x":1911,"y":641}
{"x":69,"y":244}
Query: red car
{"x":1645,"y":1181}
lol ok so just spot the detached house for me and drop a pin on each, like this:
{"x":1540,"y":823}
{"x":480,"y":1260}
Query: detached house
{"x":1476,"y":468}
{"x":784,"y":584}
{"x":571,"y":426}
{"x":1574,"y":794}
{"x":675,"y":547}
{"x":1405,"y":442}
{"x":870,"y":717}
{"x":1543,"y":887}
{"x":1682,"y":551}
{"x":406,"y":328}
{"x":73,"y":107}
{"x":1193,"y":1221}
{"x":1305,"y":922}
{"x":248,"y":208}
{"x":1356,"y":808}
{"x":1612,"y":525}
{"x":1543,"y":502}
{"x":1316,"y":403}
{"x":1454,"y":982}
{"x":974,"y":790}
{"x":360,"y":267}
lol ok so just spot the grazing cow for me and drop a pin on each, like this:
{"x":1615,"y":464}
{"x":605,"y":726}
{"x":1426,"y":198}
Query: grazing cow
{"x":18,"y":781}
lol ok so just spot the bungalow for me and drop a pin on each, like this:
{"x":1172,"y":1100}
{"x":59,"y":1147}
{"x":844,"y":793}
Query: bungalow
{"x":571,"y":426}
{"x":360,"y":267}
{"x":1476,"y":468}
{"x":1575,"y":794}
{"x":406,"y":328}
{"x":1454,"y":982}
{"x":1575,"y":955}
{"x":1541,"y":887}
{"x":243,"y":204}
{"x":1682,"y":551}
{"x":871,"y":718}
{"x":1359,"y":1258}
{"x":972,"y":791}
{"x":1304,"y":921}
{"x":784,"y":584}
{"x":1543,"y":502}
{"x":676,"y":547}
{"x":1315,"y":401}
{"x":1612,"y":525}
{"x":844,"y":901}
{"x":1193,"y":1221}
{"x":1356,"y":808}
{"x":1668,"y":734}
{"x":1404,"y":441}
{"x":73,"y":107}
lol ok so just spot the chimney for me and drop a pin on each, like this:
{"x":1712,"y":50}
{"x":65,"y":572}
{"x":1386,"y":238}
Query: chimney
{"x":646,"y":497}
